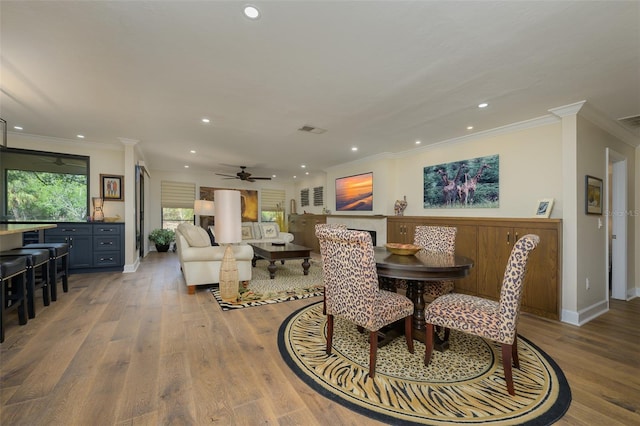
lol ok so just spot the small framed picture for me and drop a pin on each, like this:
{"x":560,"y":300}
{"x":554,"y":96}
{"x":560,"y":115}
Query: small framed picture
{"x":544,"y":207}
{"x":593,"y":195}
{"x":112,"y":187}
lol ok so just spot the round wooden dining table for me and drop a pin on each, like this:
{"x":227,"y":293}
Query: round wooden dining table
{"x":418,"y":270}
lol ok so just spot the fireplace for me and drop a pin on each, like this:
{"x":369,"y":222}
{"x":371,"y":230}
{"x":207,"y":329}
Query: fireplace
{"x":374,"y":225}
{"x":372,"y":233}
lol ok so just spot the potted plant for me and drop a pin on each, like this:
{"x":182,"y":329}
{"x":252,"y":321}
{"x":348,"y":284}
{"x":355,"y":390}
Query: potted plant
{"x":162,"y":238}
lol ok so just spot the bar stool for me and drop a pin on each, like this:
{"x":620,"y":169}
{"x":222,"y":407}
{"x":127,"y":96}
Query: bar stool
{"x":13,"y":271}
{"x":37,"y":261}
{"x":57,"y":251}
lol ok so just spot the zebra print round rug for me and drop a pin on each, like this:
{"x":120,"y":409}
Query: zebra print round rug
{"x":462,"y":386}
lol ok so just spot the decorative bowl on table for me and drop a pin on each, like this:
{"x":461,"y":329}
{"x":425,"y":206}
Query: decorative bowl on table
{"x":402,"y":249}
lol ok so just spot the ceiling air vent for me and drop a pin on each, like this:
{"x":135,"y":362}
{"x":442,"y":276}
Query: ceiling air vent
{"x":632,"y":122}
{"x":311,"y":129}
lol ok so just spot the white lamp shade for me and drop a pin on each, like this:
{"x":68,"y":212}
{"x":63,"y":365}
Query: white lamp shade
{"x":228,"y":212}
{"x":203,"y":208}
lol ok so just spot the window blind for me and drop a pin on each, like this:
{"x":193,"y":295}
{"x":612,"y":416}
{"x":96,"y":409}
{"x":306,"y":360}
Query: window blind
{"x":177,"y":194}
{"x":318,"y":196}
{"x":270,"y":198}
{"x":304,"y":197}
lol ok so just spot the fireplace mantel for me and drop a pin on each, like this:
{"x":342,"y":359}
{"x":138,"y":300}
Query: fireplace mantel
{"x":376,"y":223}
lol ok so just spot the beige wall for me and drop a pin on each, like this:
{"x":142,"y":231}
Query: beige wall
{"x":548,"y":159}
{"x":105,"y":159}
{"x":592,"y":262}
{"x":154,"y":219}
{"x":536,"y":161}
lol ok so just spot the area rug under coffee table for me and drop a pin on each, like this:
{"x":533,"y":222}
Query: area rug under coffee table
{"x":463,"y":385}
{"x":289,"y":284}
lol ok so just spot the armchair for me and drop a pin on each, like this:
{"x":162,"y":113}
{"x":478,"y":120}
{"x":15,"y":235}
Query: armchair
{"x":201,"y":262}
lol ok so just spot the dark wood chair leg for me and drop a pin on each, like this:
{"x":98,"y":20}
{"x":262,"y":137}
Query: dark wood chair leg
{"x":21,"y":290}
{"x":428,"y":341}
{"x":506,"y":365}
{"x":408,"y":332}
{"x":44,"y":275}
{"x":65,"y":272}
{"x":53,"y":279}
{"x":31,"y":292}
{"x":514,"y":352}
{"x":329,"y":333}
{"x":373,"y":351}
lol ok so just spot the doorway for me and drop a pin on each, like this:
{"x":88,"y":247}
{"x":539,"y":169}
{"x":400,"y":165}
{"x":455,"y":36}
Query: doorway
{"x":140,"y":210}
{"x":617,"y":224}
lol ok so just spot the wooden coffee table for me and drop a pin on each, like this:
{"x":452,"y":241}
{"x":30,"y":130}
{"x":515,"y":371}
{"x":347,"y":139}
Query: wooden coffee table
{"x":273,"y":252}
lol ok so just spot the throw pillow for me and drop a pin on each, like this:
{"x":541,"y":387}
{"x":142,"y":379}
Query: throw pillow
{"x":269,"y":230}
{"x":195,"y":235}
{"x":247,"y":232}
{"x":212,"y":237}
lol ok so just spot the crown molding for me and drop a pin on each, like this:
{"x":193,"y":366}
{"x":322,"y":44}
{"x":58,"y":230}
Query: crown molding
{"x":521,"y":125}
{"x":566,"y":110}
{"x":610,"y":126}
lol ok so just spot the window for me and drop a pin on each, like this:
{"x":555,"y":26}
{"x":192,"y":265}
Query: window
{"x":44,"y":186}
{"x":272,"y":206}
{"x":318,"y":196}
{"x":177,"y":200}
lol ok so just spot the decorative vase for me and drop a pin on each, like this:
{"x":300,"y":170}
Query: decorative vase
{"x":399,"y":206}
{"x":229,"y":287}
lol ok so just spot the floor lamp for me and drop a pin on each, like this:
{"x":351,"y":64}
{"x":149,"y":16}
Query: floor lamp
{"x":228,"y":230}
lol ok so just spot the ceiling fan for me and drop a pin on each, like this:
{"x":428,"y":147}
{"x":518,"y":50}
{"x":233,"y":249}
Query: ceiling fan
{"x":244,"y":175}
{"x":60,"y":162}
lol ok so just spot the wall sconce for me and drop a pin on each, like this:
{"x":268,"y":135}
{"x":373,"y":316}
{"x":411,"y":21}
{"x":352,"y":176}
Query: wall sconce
{"x":98,"y":214}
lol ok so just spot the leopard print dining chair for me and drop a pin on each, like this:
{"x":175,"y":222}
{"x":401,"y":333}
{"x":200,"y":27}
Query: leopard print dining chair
{"x":327,"y":226}
{"x":352,"y":291}
{"x":489,"y":319}
{"x":439,"y":239}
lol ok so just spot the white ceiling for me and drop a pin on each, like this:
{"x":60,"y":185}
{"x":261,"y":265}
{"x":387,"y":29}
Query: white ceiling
{"x":376,"y":75}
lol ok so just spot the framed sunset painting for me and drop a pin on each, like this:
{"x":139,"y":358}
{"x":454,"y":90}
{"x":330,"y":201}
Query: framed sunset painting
{"x":355,"y":193}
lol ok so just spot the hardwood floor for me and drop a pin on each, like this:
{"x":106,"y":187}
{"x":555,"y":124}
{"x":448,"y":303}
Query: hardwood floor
{"x":136,"y":349}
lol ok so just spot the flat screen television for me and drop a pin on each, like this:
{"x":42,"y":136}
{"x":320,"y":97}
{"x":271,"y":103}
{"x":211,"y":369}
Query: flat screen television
{"x":355,"y":193}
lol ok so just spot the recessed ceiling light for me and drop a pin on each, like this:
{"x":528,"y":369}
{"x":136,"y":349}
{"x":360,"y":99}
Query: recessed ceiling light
{"x":206,"y":120}
{"x":273,"y":176}
{"x":80,"y":136}
{"x":354,"y":148}
{"x":193,"y":151}
{"x":418,"y":142}
{"x":469,"y":127}
{"x":295,"y":177}
{"x":306,"y":173}
{"x":303,"y":165}
{"x":186,"y":166}
{"x":251,"y":12}
{"x":17,"y":127}
{"x":483,"y":105}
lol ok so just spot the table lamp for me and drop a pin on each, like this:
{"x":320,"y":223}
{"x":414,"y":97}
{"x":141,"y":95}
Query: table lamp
{"x":228,"y":230}
{"x":203,"y":208}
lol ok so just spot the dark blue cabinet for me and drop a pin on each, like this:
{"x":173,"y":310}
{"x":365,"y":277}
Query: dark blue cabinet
{"x":93,"y":247}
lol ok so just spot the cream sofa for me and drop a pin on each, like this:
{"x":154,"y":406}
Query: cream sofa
{"x":264,"y":232}
{"x":200,"y":261}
